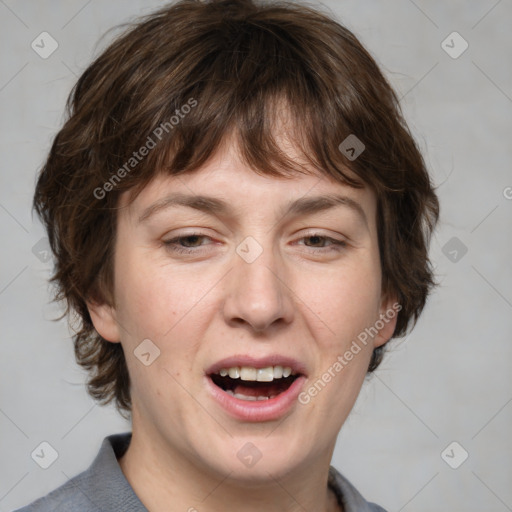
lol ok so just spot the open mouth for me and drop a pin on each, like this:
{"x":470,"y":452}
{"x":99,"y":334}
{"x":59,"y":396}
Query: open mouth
{"x":246,"y":387}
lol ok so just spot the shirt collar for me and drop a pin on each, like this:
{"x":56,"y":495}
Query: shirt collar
{"x":348,"y":495}
{"x":109,"y":488}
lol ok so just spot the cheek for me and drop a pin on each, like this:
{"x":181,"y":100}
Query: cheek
{"x":153,"y":299}
{"x":166,"y":310}
{"x":166,"y":306}
{"x":346,"y":302}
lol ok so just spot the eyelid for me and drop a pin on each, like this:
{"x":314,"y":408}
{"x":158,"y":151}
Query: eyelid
{"x":334,"y":243}
{"x":309,"y":232}
{"x":173,"y":244}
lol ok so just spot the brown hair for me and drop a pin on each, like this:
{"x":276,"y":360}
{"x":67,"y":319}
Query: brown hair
{"x":231,"y":62}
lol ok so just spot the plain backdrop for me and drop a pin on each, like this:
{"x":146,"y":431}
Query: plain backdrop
{"x":448,"y":382}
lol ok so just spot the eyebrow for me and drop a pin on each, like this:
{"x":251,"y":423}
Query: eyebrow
{"x":216,"y":206}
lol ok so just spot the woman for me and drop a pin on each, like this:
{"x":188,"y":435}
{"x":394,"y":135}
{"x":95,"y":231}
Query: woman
{"x":240,"y":218}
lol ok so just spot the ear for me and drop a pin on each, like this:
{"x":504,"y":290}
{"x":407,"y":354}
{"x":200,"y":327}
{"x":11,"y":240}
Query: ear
{"x":387,"y":320}
{"x":103,"y":317}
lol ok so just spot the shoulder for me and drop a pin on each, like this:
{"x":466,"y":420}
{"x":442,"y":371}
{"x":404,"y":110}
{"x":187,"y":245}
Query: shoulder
{"x":348,"y":495}
{"x":101,"y":487}
{"x":68,"y":497}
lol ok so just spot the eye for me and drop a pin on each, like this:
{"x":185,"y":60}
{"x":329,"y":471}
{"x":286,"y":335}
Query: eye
{"x":334,"y":244}
{"x":191,"y":245}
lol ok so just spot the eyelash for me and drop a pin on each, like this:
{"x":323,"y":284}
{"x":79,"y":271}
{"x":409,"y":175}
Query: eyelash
{"x":173,"y":244}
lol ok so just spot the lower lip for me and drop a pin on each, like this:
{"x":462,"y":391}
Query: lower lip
{"x":257,"y":410}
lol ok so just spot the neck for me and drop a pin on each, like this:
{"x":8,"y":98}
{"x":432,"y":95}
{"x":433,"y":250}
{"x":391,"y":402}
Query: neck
{"x":161,"y":476}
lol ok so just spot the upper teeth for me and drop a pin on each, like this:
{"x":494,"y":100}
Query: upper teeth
{"x":267,"y":374}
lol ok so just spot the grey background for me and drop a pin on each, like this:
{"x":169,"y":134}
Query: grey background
{"x":448,"y":381}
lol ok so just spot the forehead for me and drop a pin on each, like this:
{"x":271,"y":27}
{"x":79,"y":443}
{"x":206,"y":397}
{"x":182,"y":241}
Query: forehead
{"x":225,"y":184}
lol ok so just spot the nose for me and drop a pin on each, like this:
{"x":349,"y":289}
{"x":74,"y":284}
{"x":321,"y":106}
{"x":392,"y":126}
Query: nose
{"x":259,"y":294}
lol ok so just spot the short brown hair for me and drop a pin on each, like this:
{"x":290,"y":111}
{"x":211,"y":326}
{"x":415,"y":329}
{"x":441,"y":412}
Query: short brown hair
{"x":231,"y":62}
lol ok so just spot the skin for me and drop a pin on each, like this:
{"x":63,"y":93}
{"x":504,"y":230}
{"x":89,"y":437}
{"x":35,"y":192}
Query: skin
{"x":300,"y":298}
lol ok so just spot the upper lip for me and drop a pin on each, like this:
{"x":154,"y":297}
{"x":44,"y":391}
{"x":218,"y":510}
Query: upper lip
{"x":258,"y":362}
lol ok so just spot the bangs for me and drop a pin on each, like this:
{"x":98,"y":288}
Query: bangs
{"x":256,"y":87}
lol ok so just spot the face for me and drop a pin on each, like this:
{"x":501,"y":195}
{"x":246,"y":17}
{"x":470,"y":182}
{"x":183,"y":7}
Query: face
{"x":266,"y":274}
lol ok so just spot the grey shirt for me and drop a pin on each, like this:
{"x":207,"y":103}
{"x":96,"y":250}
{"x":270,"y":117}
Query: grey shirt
{"x":103,"y":487}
